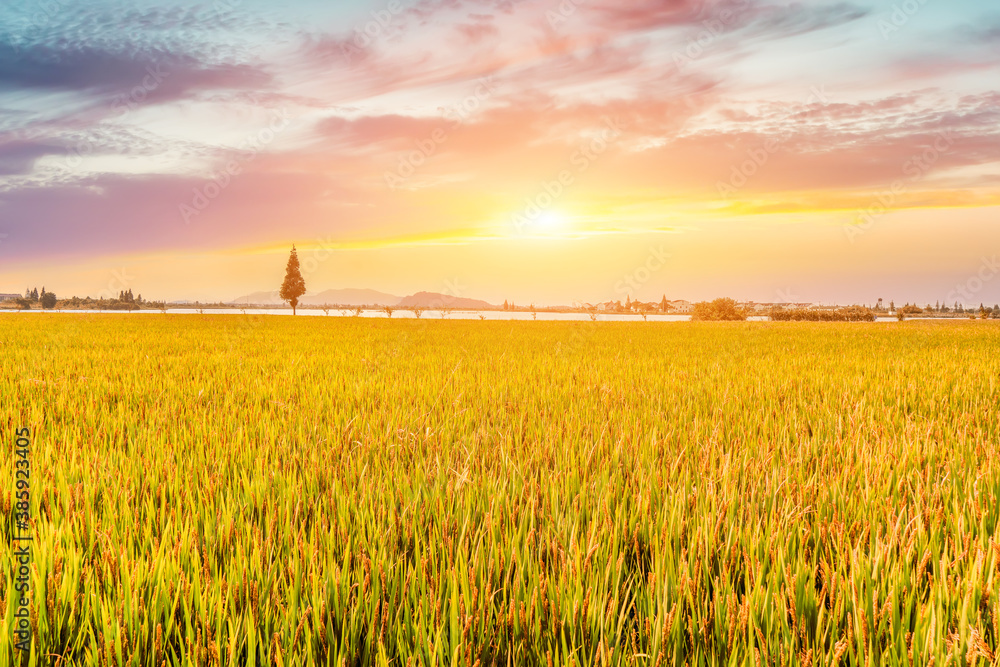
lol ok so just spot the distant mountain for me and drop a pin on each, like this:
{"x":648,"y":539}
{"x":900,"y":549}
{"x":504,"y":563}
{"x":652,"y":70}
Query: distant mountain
{"x":351,"y":297}
{"x":259,"y":299}
{"x":339,"y":297}
{"x":435,"y":300}
{"x":365,"y":297}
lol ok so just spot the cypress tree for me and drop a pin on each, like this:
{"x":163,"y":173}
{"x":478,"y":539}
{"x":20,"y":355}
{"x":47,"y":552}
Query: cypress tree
{"x":294,"y":285}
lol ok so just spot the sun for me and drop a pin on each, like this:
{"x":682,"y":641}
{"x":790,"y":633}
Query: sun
{"x":542,"y":222}
{"x":552,"y":221}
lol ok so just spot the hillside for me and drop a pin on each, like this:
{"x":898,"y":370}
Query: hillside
{"x":436,"y":300}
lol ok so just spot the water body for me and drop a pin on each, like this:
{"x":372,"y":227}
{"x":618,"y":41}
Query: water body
{"x":492,"y":315}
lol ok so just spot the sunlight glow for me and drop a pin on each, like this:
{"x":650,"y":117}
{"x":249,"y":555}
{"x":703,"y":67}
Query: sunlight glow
{"x":552,"y":221}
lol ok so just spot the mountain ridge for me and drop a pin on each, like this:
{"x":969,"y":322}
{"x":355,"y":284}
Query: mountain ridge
{"x":364,"y":297}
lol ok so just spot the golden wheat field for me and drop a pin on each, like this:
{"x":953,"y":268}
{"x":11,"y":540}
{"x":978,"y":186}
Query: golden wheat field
{"x":232,"y":490}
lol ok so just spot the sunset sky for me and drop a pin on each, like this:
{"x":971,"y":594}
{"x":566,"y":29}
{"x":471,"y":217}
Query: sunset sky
{"x":539,"y":151}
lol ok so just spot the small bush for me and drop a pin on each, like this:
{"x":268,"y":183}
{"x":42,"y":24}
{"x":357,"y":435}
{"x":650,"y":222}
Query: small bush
{"x":718,"y":311}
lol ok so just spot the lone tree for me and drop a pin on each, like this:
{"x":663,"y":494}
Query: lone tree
{"x":294,"y":286}
{"x":48,"y":300}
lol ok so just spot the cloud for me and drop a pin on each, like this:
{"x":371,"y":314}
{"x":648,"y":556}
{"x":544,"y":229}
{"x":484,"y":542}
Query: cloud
{"x":782,"y":21}
{"x":22,"y":150}
{"x":667,"y":145}
{"x":365,"y":106}
{"x":986,"y":31}
{"x":160,"y":75}
{"x":160,"y":55}
{"x":621,"y":48}
{"x":813,"y":147}
{"x":18,"y":157}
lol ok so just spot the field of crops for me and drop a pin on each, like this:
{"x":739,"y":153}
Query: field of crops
{"x":231,"y":490}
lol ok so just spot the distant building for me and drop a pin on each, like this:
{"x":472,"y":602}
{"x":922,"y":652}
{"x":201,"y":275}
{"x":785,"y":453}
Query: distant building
{"x":9,"y":297}
{"x":681,"y":306}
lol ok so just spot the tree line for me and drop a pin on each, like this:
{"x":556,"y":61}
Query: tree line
{"x":726,"y":309}
{"x":46,"y":300}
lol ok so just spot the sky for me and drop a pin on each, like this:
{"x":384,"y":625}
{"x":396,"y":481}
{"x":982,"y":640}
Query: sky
{"x":541,"y":151}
